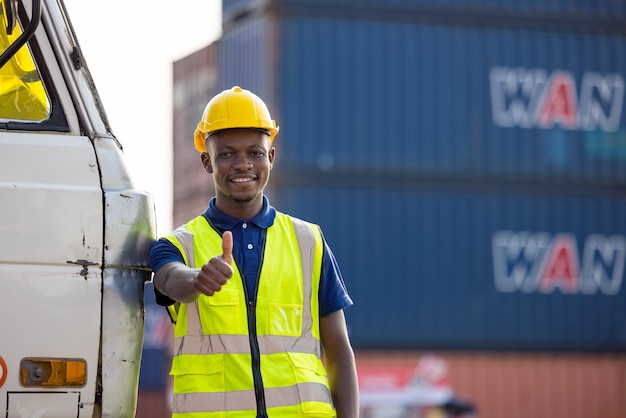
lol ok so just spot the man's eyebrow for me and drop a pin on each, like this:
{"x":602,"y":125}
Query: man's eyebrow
{"x":223,"y":147}
{"x":256,"y":146}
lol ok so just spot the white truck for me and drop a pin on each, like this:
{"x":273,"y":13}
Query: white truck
{"x":74,"y":233}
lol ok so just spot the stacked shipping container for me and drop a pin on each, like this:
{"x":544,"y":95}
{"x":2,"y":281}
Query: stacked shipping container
{"x":195,"y":78}
{"x":467,"y":162}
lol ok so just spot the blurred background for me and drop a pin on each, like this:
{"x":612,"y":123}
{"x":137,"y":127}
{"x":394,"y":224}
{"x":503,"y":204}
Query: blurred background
{"x":467,"y":163}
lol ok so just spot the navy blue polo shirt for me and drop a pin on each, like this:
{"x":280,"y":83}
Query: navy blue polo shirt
{"x":248,"y":237}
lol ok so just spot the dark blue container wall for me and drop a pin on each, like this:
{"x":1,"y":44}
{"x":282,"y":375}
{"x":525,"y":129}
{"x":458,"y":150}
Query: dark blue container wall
{"x":246,"y":56}
{"x":611,"y":10}
{"x":421,"y":267}
{"x":361,"y":94}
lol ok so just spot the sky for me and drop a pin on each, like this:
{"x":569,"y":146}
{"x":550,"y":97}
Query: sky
{"x":130,"y":47}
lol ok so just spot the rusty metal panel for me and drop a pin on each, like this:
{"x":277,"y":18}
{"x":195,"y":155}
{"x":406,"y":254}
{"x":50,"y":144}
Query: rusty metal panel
{"x":154,"y":404}
{"x":537,"y":385}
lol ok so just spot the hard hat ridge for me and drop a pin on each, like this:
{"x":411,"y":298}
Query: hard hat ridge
{"x":234,"y":108}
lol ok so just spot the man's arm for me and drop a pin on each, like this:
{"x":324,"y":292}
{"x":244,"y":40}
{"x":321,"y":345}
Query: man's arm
{"x":340,"y":364}
{"x":175,"y":280}
{"x":184,"y":284}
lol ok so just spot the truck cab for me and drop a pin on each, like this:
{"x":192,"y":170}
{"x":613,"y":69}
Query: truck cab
{"x":74,"y":232}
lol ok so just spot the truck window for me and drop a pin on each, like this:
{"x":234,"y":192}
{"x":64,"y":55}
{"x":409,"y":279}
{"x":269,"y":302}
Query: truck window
{"x":22,"y":93}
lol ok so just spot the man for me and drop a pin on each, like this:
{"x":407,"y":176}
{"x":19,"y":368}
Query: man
{"x":255,"y":293}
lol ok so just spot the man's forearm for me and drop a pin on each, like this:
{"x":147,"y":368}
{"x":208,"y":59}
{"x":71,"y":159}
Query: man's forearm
{"x":175,"y":280}
{"x":344,"y":388}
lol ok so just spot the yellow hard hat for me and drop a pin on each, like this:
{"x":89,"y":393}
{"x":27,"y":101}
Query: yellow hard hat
{"x":234,"y":108}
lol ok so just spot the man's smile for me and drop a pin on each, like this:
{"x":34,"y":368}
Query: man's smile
{"x":242,"y":179}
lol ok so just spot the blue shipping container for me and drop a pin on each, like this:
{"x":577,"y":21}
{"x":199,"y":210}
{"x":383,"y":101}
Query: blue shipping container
{"x":454,"y":270}
{"x":578,"y":11}
{"x":438,"y":99}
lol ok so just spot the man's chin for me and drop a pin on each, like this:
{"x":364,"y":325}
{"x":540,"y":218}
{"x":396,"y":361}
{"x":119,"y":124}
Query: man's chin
{"x":243,"y":200}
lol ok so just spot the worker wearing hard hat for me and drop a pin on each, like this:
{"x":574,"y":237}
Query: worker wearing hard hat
{"x":255,"y":293}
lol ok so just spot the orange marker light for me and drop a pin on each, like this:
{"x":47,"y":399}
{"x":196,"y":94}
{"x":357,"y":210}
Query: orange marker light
{"x":53,"y":372}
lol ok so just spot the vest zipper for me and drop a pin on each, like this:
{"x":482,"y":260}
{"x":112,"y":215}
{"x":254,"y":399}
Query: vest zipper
{"x":259,"y":391}
{"x":255,"y":353}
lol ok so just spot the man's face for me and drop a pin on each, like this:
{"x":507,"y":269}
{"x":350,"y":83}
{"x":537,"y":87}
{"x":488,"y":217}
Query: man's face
{"x":240,"y":161}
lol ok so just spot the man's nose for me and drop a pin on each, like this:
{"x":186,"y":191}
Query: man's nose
{"x":242,"y":161}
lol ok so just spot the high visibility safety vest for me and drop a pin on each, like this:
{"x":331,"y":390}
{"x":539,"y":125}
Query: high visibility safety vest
{"x":235,"y":357}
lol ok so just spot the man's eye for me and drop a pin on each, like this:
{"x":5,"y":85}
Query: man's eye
{"x":258,"y":153}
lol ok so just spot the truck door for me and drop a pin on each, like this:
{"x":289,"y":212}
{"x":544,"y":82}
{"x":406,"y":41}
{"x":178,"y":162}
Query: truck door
{"x":73,"y":232}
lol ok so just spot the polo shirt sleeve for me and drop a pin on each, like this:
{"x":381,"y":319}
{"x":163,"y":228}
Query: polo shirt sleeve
{"x":161,"y":253}
{"x":333,"y":294}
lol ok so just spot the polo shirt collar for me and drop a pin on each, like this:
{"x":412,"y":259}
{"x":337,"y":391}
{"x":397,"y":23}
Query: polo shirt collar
{"x":264,"y":219}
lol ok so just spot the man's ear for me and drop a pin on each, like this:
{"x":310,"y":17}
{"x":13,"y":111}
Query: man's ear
{"x":270,"y":155}
{"x":206,"y":162}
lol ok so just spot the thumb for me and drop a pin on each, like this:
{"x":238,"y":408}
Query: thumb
{"x":227,"y":247}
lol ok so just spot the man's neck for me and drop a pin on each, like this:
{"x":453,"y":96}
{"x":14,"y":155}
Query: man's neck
{"x":240,"y":210}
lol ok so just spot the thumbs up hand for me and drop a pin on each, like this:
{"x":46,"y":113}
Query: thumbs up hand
{"x":216,"y":272}
{"x":227,"y":248}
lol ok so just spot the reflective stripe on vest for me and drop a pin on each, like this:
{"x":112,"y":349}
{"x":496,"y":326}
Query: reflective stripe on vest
{"x":242,"y":400}
{"x":305,"y":387}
